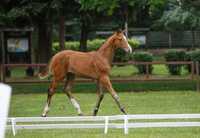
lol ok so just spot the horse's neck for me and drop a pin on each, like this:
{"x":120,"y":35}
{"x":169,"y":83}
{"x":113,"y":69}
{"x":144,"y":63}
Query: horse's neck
{"x":107,"y":51}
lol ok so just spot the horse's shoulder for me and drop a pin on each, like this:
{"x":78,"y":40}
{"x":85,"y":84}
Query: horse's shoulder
{"x":100,"y":63}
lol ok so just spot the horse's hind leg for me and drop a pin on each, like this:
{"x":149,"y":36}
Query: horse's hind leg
{"x":105,"y":81}
{"x":100,"y":95}
{"x":67,"y":88}
{"x":51,"y":92}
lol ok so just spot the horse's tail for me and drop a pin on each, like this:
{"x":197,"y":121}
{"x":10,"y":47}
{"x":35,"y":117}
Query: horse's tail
{"x":47,"y":74}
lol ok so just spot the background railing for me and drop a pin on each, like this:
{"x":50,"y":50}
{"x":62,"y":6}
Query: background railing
{"x":193,"y":75}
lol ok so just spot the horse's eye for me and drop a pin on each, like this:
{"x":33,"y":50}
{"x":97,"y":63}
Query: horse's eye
{"x":120,"y":38}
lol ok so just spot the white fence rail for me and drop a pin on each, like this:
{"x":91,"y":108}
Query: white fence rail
{"x":104,"y":122}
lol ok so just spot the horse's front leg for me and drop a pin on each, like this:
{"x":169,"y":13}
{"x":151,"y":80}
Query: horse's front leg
{"x":100,"y":95}
{"x":105,"y":81}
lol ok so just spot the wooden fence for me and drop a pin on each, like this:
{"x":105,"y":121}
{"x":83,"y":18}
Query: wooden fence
{"x":193,"y":75}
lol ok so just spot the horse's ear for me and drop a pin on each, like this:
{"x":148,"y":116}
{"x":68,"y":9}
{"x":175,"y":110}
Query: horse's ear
{"x":124,"y":31}
{"x":119,"y":31}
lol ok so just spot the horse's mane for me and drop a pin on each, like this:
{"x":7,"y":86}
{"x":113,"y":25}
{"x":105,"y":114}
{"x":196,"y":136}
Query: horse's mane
{"x":106,"y":43}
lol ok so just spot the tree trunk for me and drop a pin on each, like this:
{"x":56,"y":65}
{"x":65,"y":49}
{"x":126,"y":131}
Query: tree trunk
{"x":193,"y":39}
{"x":62,"y":32}
{"x":44,"y":40}
{"x":84,"y":31}
{"x":83,"y":39}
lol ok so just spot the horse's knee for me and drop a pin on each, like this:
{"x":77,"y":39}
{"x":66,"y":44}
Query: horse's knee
{"x":67,"y":88}
{"x":51,"y":91}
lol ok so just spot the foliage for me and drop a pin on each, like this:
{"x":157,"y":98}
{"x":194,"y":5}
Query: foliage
{"x":156,"y":7}
{"x":145,"y":57}
{"x":192,"y":56}
{"x":31,"y":11}
{"x":99,"y":6}
{"x":74,"y":45}
{"x":174,"y":55}
{"x":121,"y":56}
{"x":180,"y":15}
{"x":133,"y":43}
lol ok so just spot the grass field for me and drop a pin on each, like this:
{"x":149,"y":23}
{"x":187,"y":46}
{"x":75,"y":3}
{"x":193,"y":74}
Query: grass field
{"x":29,"y":101}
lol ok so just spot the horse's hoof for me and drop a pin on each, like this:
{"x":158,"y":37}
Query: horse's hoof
{"x":43,"y":115}
{"x":80,"y":114}
{"x":123,"y":111}
{"x":94,"y":114}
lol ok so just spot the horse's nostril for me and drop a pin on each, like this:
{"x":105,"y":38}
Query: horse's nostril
{"x":127,"y":50}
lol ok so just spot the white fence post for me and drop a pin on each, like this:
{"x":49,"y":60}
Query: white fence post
{"x":5,"y":92}
{"x":13,"y":123}
{"x":106,"y":125}
{"x":125,"y":124}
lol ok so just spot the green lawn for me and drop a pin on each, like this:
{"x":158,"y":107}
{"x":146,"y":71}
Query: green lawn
{"x":136,"y":103}
{"x":149,"y":102}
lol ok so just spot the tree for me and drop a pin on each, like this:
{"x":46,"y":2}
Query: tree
{"x":136,"y":9}
{"x":65,"y":10}
{"x":89,"y":11}
{"x":39,"y":14}
{"x":181,"y":15}
{"x":28,"y":13}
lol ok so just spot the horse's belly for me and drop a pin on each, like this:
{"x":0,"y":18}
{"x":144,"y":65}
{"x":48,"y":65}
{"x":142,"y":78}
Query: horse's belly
{"x":83,"y":67}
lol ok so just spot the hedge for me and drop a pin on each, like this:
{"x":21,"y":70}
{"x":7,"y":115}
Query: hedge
{"x":145,"y":57}
{"x":174,"y":55}
{"x":192,"y":56}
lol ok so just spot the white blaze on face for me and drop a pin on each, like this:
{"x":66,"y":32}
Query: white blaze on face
{"x":129,"y":47}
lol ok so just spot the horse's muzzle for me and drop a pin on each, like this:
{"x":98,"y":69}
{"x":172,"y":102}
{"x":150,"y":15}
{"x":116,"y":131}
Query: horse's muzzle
{"x":128,"y":49}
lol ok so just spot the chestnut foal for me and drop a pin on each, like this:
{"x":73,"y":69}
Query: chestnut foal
{"x":96,"y":65}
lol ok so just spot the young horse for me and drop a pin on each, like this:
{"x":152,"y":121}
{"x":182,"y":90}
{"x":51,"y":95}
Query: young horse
{"x":96,"y":65}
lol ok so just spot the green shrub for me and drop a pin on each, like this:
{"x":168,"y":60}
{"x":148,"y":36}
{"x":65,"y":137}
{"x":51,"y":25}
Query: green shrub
{"x":93,"y":45}
{"x":133,"y":43}
{"x":121,"y":56}
{"x":174,"y":55}
{"x":145,"y":57}
{"x":192,"y":56}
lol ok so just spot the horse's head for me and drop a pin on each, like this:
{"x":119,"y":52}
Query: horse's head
{"x":120,"y":41}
